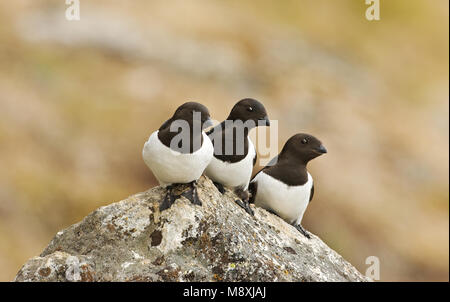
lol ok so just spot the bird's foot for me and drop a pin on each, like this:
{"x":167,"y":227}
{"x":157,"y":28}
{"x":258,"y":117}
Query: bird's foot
{"x":192,"y":194}
{"x":219,"y":187}
{"x":168,"y":200}
{"x":246,"y":206}
{"x":302,"y":230}
{"x":243,"y":201}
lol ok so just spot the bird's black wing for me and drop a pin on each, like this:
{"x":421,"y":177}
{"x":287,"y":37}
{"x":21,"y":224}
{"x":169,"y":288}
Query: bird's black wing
{"x":254,"y":158}
{"x":312,"y":193}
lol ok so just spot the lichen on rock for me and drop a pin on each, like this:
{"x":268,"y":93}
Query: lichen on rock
{"x":132,"y":240}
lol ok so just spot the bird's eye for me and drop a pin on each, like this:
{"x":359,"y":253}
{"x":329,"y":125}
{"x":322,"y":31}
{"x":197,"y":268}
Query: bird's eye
{"x":304,"y":141}
{"x":250,"y":108}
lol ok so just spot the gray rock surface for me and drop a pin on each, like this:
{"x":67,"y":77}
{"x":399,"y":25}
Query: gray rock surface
{"x":132,"y":241}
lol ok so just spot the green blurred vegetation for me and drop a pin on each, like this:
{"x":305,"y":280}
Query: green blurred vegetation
{"x":78,"y":99}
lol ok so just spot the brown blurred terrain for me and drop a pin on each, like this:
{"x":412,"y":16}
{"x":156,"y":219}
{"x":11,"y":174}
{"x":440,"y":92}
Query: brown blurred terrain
{"x":78,"y":99}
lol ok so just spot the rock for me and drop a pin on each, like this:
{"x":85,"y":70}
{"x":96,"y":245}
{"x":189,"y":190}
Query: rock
{"x":132,"y":240}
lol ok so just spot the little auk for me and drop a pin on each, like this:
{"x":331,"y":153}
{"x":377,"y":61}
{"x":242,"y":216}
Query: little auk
{"x":234,"y":152}
{"x":179,"y":151}
{"x":284,"y":187}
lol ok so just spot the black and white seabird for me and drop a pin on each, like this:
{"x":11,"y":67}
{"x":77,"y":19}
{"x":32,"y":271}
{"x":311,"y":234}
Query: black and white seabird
{"x":285,"y":187}
{"x":176,"y":161}
{"x":234,"y":152}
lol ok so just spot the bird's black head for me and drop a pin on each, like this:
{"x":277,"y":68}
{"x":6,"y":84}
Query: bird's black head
{"x":191,"y":111}
{"x":303,"y":147}
{"x":249,"y":110}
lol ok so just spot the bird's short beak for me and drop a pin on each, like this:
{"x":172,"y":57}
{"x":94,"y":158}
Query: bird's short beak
{"x":266,"y":120}
{"x":322,"y":149}
{"x":207,"y":123}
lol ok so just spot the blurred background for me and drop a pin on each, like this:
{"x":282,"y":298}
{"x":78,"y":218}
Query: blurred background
{"x":78,"y":100}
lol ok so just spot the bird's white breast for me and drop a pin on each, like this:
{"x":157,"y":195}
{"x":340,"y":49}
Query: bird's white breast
{"x":171,"y":166}
{"x":236,"y":174}
{"x":289,"y":202}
